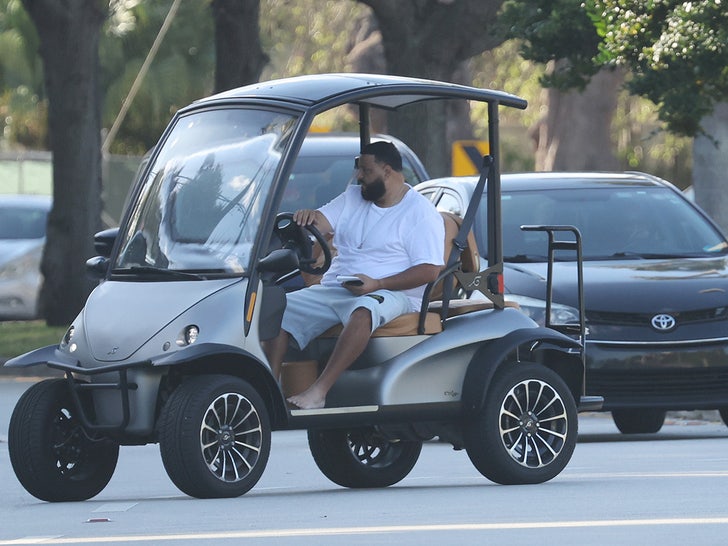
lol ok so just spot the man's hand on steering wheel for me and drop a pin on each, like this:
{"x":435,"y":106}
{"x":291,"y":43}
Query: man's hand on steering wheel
{"x":291,"y":232}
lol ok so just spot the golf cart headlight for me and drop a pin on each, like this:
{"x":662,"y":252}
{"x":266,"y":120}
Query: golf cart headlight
{"x":536,"y":310}
{"x":68,"y":336}
{"x":189,"y":336}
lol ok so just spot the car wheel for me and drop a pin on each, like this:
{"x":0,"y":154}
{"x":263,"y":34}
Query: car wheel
{"x":214,"y":436}
{"x":526,"y":431}
{"x":52,"y":455}
{"x":724,"y":414}
{"x":638,"y":421}
{"x":361,"y":458}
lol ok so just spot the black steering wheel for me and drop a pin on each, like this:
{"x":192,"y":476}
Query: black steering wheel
{"x":294,"y":236}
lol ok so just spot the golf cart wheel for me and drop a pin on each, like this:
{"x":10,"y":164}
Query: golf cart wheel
{"x":526,"y":431}
{"x":214,"y":436}
{"x":639,"y":421}
{"x":52,"y":455}
{"x":361,"y":458}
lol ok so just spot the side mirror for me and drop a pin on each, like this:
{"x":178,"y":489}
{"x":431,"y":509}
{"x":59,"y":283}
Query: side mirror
{"x":279,"y":261}
{"x":97,"y":267}
{"x":104,"y":242}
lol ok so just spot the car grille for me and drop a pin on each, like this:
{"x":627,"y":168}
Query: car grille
{"x":660,"y":385}
{"x":643,"y":319}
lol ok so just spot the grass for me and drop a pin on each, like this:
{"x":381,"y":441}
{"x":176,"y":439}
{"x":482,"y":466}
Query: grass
{"x":18,"y":337}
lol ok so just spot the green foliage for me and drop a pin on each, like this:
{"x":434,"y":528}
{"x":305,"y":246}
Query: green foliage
{"x":309,"y":36}
{"x":20,"y":337}
{"x":181,"y":73}
{"x":23,"y":117}
{"x":677,"y":52}
{"x":555,"y":30}
{"x":22,"y":106}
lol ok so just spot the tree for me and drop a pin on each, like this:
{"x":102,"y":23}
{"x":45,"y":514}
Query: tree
{"x":675,"y":53}
{"x":581,"y":98}
{"x":182,"y":70}
{"x":69,"y":37}
{"x":431,"y":39}
{"x":239,"y":57}
{"x":22,"y":106}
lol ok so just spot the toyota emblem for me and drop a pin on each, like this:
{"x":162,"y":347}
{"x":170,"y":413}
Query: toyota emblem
{"x":663,"y":322}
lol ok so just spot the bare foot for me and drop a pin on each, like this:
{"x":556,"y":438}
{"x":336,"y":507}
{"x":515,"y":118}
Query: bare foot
{"x":308,"y":399}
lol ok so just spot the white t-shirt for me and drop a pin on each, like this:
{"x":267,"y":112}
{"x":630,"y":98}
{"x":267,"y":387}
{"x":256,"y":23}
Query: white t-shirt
{"x":380,"y":242}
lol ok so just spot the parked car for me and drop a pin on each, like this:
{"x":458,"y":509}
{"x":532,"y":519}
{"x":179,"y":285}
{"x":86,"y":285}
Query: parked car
{"x":655,"y":284}
{"x":22,"y":236}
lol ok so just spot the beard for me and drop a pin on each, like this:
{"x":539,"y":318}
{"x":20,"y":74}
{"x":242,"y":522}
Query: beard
{"x":373,"y":191}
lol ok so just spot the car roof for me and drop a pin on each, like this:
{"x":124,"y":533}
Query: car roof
{"x":326,"y":144}
{"x":26,"y":201}
{"x":559,"y":180}
{"x":325,"y":91}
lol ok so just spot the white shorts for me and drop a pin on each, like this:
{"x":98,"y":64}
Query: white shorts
{"x":313,"y":310}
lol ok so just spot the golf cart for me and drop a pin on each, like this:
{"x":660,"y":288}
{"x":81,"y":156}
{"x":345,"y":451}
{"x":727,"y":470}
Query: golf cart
{"x":168,"y":347}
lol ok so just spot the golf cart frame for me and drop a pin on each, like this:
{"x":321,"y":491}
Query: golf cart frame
{"x":184,"y":374}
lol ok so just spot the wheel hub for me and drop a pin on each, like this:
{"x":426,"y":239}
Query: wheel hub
{"x":225,"y":437}
{"x":529,"y":423}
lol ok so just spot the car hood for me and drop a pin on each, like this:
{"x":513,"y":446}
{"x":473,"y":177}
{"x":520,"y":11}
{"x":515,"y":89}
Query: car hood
{"x":629,"y":285}
{"x":12,"y":249}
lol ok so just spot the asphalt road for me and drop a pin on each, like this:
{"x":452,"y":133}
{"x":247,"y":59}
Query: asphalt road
{"x":668,"y":488}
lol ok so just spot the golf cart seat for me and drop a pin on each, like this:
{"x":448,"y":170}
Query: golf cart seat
{"x":409,"y":323}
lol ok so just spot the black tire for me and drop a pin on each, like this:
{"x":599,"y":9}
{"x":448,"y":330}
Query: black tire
{"x":639,"y":421}
{"x":214,"y":436}
{"x":526,"y":431}
{"x":724,"y":414}
{"x":361,"y":458}
{"x":52,"y":456}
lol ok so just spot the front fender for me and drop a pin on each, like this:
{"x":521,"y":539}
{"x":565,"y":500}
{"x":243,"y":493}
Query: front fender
{"x":42,"y":356}
{"x":526,"y":343}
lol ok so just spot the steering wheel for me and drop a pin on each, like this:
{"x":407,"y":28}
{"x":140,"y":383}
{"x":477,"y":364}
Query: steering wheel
{"x":294,"y":236}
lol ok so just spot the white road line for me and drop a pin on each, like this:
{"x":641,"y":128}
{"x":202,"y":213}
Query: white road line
{"x":116,"y":507}
{"x":333,"y":531}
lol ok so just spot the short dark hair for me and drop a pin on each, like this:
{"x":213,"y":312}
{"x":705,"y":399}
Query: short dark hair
{"x":384,"y":152}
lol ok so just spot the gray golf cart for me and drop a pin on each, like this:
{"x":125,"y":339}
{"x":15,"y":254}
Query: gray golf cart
{"x":168,"y":347}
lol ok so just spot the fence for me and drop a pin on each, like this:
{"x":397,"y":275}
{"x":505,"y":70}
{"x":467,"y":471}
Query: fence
{"x":32,"y":172}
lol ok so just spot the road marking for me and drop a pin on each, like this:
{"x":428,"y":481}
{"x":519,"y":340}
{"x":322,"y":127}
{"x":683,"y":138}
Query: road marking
{"x":333,"y":531}
{"x":116,"y":507}
{"x":618,"y":475}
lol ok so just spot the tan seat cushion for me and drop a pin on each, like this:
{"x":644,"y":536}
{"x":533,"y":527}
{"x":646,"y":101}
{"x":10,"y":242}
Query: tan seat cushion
{"x":461,"y":307}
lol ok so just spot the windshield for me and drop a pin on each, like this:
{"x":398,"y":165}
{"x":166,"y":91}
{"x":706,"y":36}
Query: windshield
{"x":201,"y":204}
{"x":22,"y":222}
{"x":316,"y":180}
{"x":615,"y":223}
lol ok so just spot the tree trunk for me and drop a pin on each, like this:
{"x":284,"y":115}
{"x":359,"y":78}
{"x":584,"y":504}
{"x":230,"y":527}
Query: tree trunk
{"x":575,"y":134}
{"x":710,"y":166}
{"x":69,"y":37}
{"x":431,"y":39}
{"x":239,"y":57}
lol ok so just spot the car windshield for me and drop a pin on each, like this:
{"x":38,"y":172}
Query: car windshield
{"x":615,"y":223}
{"x":202,"y":201}
{"x":316,"y":180}
{"x":22,"y":222}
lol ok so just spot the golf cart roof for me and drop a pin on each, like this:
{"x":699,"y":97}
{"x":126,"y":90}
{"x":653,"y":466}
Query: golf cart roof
{"x":324,"y":91}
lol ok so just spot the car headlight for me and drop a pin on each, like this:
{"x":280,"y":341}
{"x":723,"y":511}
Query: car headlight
{"x":536,"y":310}
{"x":19,"y":267}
